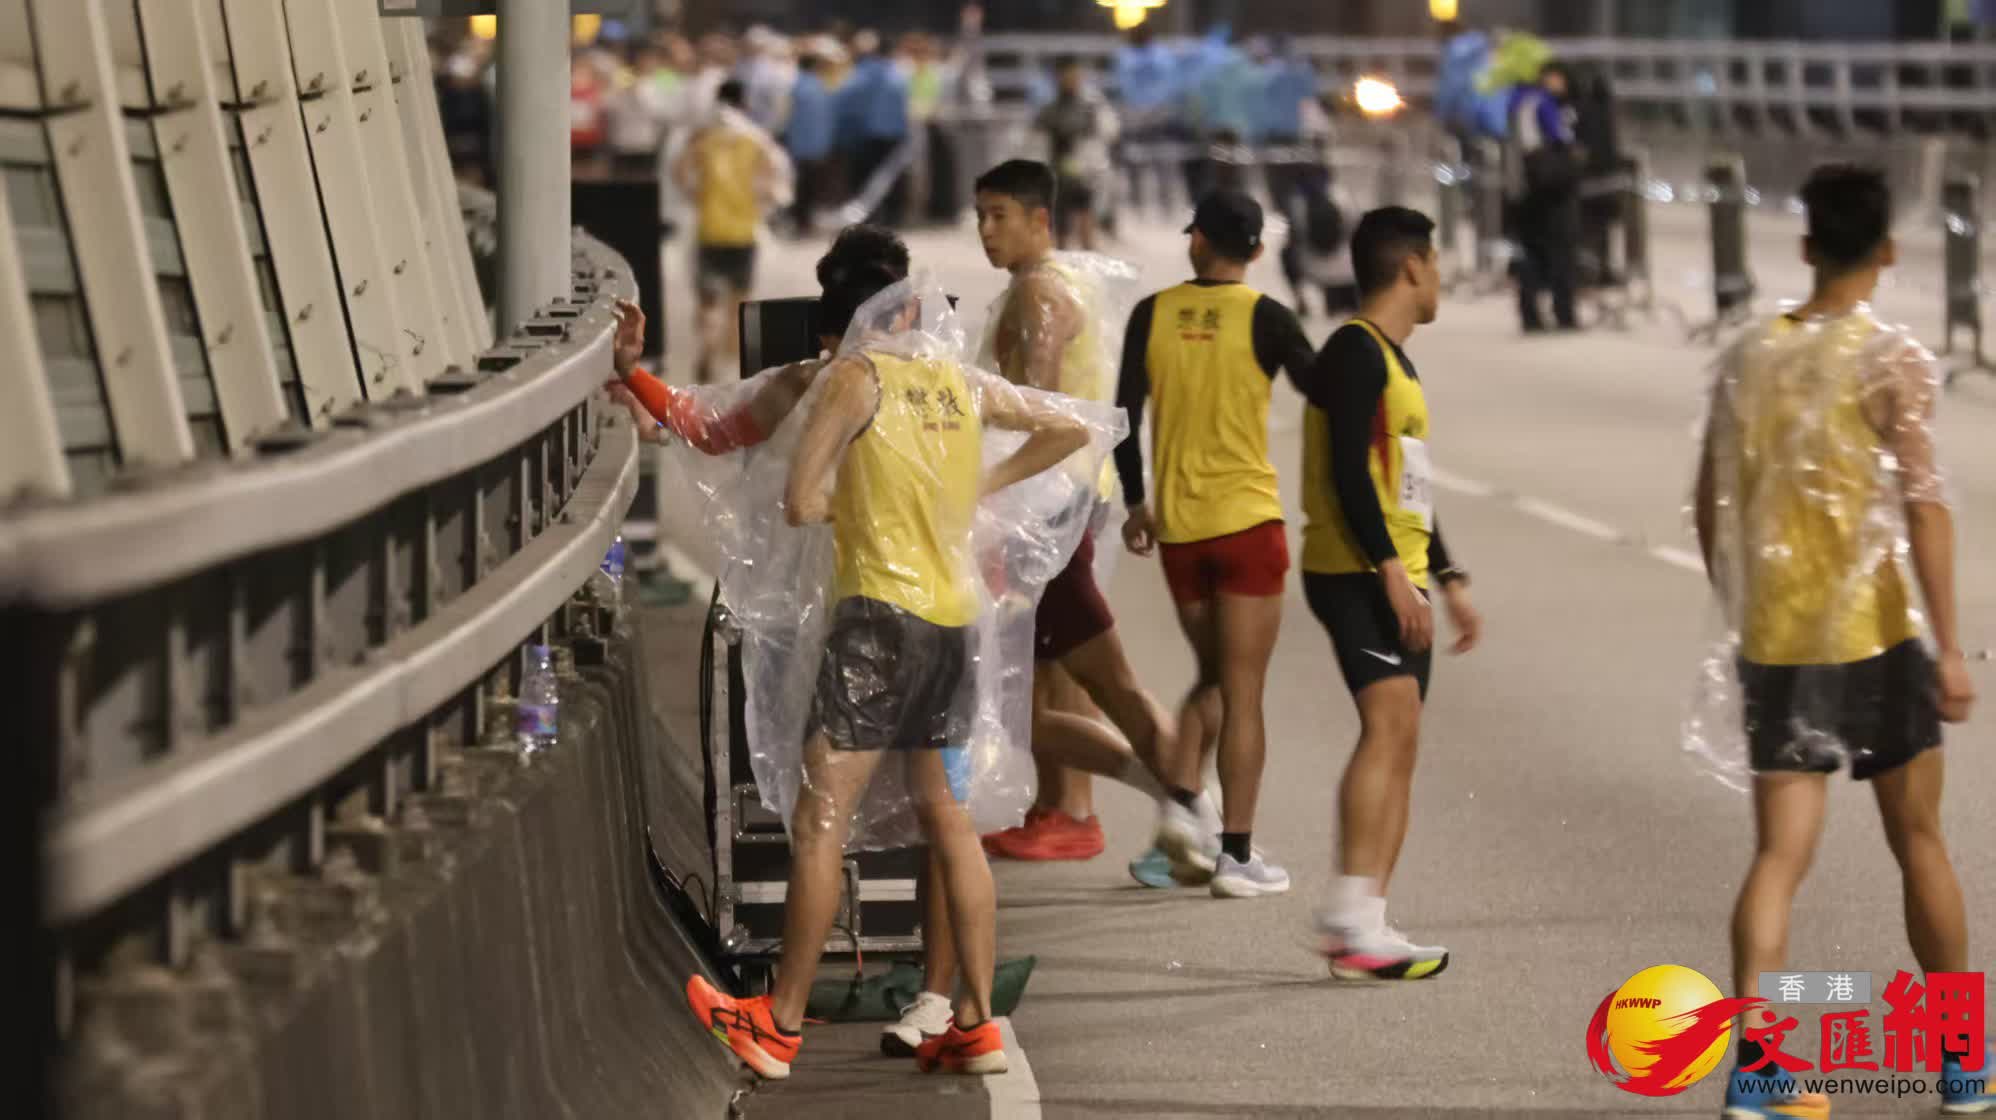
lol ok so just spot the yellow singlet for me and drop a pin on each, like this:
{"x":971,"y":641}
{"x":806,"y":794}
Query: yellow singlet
{"x":907,"y":492}
{"x":1329,"y":548}
{"x":1210,"y":446}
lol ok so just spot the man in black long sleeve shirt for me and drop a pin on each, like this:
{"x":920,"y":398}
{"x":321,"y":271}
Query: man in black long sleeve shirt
{"x":1371,"y":550}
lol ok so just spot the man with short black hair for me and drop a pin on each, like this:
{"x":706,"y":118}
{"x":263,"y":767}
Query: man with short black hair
{"x":891,"y":457}
{"x":1820,"y":506}
{"x":1208,"y":350}
{"x":1048,"y":334}
{"x":1371,"y":553}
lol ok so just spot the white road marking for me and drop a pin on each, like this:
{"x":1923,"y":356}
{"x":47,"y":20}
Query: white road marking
{"x":1014,"y":1093}
{"x":1567,"y":519}
{"x":1455,"y":483}
{"x":1679,"y":558}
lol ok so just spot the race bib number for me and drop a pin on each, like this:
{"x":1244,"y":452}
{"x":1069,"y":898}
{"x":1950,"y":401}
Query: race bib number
{"x":1416,"y":486}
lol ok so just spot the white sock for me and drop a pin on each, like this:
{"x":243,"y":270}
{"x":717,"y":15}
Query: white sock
{"x":1208,"y":812}
{"x":1138,"y":777}
{"x":1356,"y":902}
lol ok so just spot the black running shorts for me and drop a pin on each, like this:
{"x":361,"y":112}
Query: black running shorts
{"x":1878,"y":713}
{"x":1365,"y":633}
{"x":724,"y":269}
{"x":892,"y":681}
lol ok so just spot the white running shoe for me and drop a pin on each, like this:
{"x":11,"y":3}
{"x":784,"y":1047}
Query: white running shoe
{"x":1380,"y":953}
{"x":926,"y":1018}
{"x":1190,"y":848}
{"x":1253,"y":879}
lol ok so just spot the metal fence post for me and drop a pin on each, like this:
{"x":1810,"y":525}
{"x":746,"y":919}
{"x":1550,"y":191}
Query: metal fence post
{"x":1488,"y":183}
{"x":1635,"y":229}
{"x":1962,"y":218}
{"x":533,"y":157}
{"x":1732,"y":283}
{"x":1449,"y":177}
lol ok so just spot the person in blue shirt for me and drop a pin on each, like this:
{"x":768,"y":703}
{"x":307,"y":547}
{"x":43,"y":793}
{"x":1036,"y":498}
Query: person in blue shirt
{"x":1146,"y":86}
{"x":871,"y":109}
{"x":1290,"y":81}
{"x":809,"y":138}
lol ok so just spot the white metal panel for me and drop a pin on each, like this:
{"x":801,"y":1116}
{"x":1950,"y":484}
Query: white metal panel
{"x":31,"y":459}
{"x":128,"y":62}
{"x":215,"y":38}
{"x":18,"y":87}
{"x":436,"y":187}
{"x":94,"y":172}
{"x":403,"y":236}
{"x":288,"y":201}
{"x":386,"y":350}
{"x":194,"y":155}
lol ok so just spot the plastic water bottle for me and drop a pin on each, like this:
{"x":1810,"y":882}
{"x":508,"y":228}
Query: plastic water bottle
{"x":539,"y":708}
{"x":611,"y":587}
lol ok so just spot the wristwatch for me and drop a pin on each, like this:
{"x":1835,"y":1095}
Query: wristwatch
{"x":1451,"y":576}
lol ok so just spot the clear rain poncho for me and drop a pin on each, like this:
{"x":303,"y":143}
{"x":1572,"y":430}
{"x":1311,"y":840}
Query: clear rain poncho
{"x":1089,"y":297}
{"x":920,"y":574}
{"x":1819,"y":432}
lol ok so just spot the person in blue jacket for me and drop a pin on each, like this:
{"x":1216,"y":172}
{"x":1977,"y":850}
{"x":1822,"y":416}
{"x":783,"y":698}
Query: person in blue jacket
{"x":871,"y":109}
{"x":809,"y":137}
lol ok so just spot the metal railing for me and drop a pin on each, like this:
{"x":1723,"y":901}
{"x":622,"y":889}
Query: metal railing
{"x":242,"y":654}
{"x":1802,"y":87}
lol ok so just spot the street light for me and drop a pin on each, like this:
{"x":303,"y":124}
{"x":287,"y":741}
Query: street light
{"x":1130,"y":13}
{"x":1443,"y":11}
{"x":1376,"y":97}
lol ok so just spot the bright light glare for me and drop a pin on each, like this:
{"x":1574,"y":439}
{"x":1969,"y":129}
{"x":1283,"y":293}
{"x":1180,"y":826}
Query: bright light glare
{"x":484,"y":27}
{"x":1376,"y":97}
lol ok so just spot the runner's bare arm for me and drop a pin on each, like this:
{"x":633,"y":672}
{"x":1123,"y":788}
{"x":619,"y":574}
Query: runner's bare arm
{"x":1046,"y":318}
{"x":851,"y":395}
{"x":1902,"y":410}
{"x":1050,"y":434}
{"x":686,"y":414}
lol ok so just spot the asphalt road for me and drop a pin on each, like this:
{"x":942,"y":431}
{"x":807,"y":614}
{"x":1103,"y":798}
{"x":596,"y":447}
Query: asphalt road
{"x":1561,"y":839}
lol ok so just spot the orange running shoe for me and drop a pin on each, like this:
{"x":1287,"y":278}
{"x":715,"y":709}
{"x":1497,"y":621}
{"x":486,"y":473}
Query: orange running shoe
{"x":981,"y":1049}
{"x":1048,"y":835}
{"x":744,"y":1026}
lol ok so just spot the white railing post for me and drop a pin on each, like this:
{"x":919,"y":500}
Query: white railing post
{"x":86,"y":131}
{"x":406,"y":244}
{"x":31,"y":459}
{"x":280,"y":160}
{"x":388,"y":345}
{"x":194,"y":157}
{"x":436,"y":190}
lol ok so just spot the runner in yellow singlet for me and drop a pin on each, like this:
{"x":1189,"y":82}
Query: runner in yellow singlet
{"x":1372,"y":555}
{"x":1207,"y":351}
{"x":1049,"y":335}
{"x":1820,"y":506}
{"x":891,"y":456}
{"x":733,"y":171}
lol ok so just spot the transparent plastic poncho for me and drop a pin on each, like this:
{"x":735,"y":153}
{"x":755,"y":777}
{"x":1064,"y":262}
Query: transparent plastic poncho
{"x":907,"y":619}
{"x":1819,"y":433}
{"x":1071,"y":311}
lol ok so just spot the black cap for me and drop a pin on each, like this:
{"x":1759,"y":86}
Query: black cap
{"x":1231,"y":221}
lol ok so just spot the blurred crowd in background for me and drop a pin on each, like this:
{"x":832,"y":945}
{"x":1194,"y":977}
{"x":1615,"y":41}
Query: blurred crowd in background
{"x":890,"y":128}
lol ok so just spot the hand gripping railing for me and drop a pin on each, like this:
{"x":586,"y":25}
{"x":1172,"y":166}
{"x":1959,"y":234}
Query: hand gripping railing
{"x":234,"y":663}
